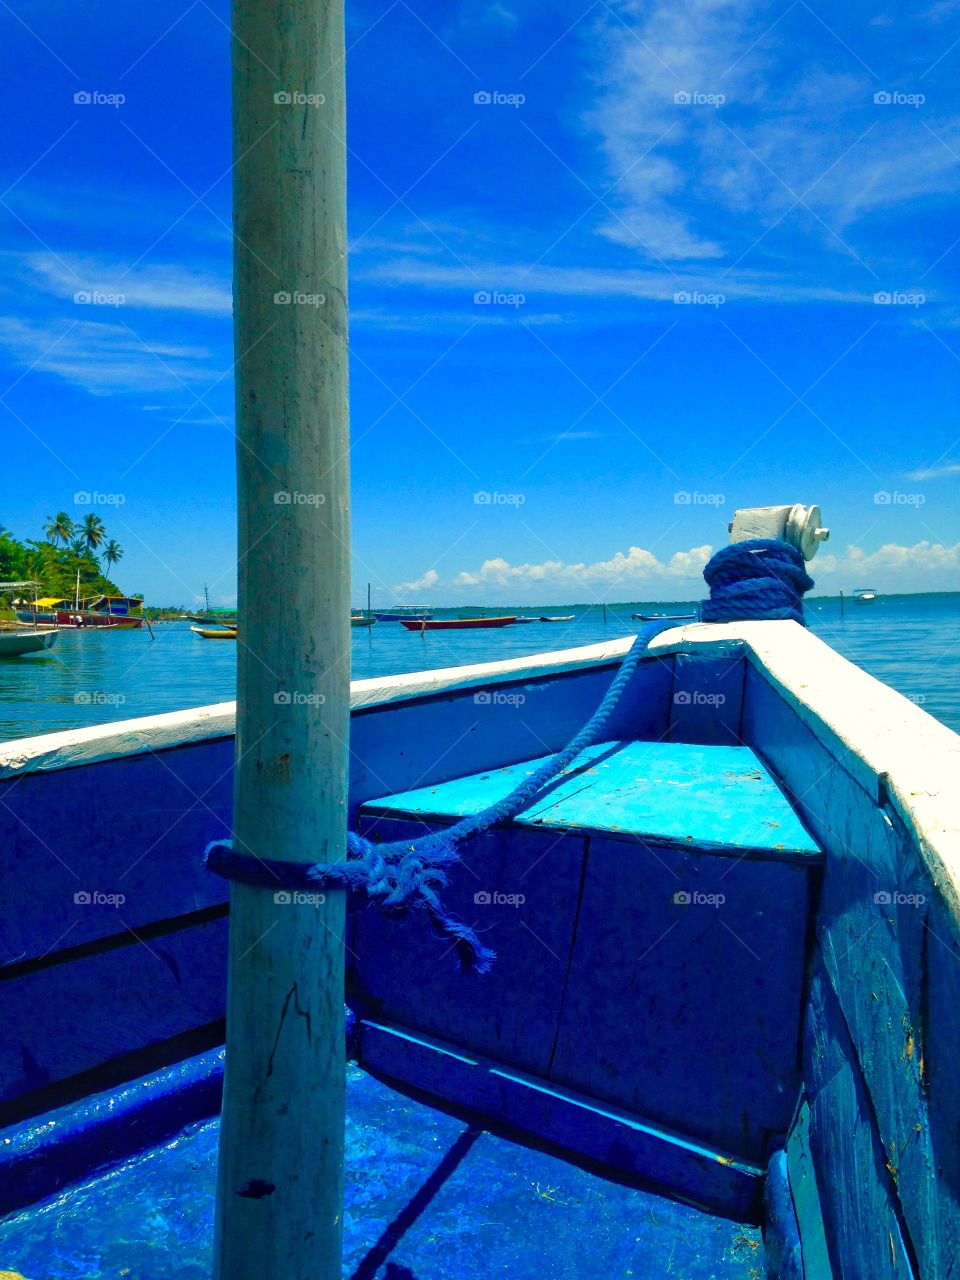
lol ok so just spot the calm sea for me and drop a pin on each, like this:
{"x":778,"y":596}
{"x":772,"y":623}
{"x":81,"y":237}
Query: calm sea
{"x":911,"y":642}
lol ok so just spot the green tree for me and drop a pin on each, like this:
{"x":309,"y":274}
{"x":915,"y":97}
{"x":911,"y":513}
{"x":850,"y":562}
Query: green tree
{"x":94,"y":533}
{"x":112,"y":554}
{"x":59,"y":528}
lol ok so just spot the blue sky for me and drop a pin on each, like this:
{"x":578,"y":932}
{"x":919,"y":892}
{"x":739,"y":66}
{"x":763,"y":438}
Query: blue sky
{"x":616,"y":269}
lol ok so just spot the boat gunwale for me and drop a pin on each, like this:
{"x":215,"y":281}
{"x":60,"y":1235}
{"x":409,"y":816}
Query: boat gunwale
{"x":900,"y":754}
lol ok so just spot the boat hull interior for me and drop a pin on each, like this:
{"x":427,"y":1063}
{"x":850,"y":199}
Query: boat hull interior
{"x":719,"y":1038}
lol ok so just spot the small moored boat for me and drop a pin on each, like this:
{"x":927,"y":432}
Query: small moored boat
{"x":13,"y":644}
{"x":864,"y":595}
{"x":215,"y":633}
{"x":558,"y":617}
{"x":456,"y":624}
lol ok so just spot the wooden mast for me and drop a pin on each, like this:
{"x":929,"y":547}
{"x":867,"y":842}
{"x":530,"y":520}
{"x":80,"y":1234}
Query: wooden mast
{"x":280,"y":1188}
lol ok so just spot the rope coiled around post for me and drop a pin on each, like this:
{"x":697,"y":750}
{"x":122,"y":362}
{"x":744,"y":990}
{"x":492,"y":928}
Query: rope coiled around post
{"x":762,"y":578}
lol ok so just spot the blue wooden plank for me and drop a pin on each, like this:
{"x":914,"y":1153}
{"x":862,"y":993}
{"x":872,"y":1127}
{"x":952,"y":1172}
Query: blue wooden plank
{"x":707,"y":699}
{"x":860,"y":1209}
{"x":781,"y":1235}
{"x":103,"y":1006}
{"x":805,"y":1193}
{"x":941,"y":1076}
{"x":871,"y":925}
{"x":872,"y":935}
{"x":689,"y":795}
{"x":519,"y":890}
{"x":684,"y":997}
{"x":530,"y":1107}
{"x":394,"y":748}
{"x":91,"y":850}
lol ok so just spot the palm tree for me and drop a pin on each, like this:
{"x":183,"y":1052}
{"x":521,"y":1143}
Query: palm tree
{"x":112,"y":554}
{"x":94,"y":532}
{"x":59,"y":528}
{"x":79,"y":548}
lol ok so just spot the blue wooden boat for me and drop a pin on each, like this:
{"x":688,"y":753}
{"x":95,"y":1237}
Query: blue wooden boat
{"x":722,"y":1027}
{"x":720,"y":1035}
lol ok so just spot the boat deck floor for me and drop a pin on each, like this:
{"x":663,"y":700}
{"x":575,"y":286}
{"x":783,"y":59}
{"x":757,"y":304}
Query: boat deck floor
{"x":428,"y":1198}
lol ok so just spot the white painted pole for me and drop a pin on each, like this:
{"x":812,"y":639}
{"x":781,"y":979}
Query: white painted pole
{"x":280,"y":1188}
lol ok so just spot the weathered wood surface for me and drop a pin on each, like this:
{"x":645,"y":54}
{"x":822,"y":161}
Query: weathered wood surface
{"x":91,"y":851}
{"x":92,"y":1009}
{"x":860,"y":1208}
{"x":805,"y":1193}
{"x":707,"y":698}
{"x":512,"y":1100}
{"x":710,"y":798}
{"x":878,"y":895}
{"x":685,"y":984}
{"x":520,"y":892}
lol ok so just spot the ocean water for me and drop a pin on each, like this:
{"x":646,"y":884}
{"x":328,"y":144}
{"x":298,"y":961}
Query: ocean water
{"x":910,"y":642}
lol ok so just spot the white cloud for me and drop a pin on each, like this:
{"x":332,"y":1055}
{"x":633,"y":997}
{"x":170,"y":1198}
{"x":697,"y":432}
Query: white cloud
{"x":164,"y":287}
{"x":704,"y":181}
{"x":424,"y":583}
{"x":935,"y":473}
{"x":105,"y":357}
{"x":635,"y":568}
{"x":638,"y":574}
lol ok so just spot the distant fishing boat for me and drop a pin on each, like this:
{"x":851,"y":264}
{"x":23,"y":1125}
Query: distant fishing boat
{"x":456,"y":624}
{"x":119,"y":612}
{"x":361,"y":620}
{"x":215,"y":633}
{"x":864,"y":595}
{"x":13,"y":644}
{"x":557,"y":617}
{"x":399,"y":611}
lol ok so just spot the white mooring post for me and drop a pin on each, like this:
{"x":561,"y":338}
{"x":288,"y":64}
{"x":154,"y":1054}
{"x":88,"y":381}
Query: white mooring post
{"x":280,"y":1189}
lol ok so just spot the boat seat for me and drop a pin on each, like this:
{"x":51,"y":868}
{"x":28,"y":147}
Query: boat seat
{"x":656,"y":902}
{"x":675,"y":794}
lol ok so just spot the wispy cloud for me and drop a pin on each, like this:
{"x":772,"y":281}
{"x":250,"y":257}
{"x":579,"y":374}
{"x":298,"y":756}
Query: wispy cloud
{"x":935,"y":473}
{"x":154,"y":287}
{"x":104,"y":357}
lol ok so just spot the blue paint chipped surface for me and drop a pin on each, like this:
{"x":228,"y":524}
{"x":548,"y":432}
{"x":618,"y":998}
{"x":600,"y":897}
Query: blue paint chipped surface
{"x":682,"y":793}
{"x":427,"y":1199}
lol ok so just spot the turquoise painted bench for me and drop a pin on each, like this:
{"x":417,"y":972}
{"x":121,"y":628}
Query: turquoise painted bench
{"x":650,"y":914}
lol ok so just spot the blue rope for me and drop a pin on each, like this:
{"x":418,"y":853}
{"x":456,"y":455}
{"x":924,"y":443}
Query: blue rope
{"x":758,"y":579}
